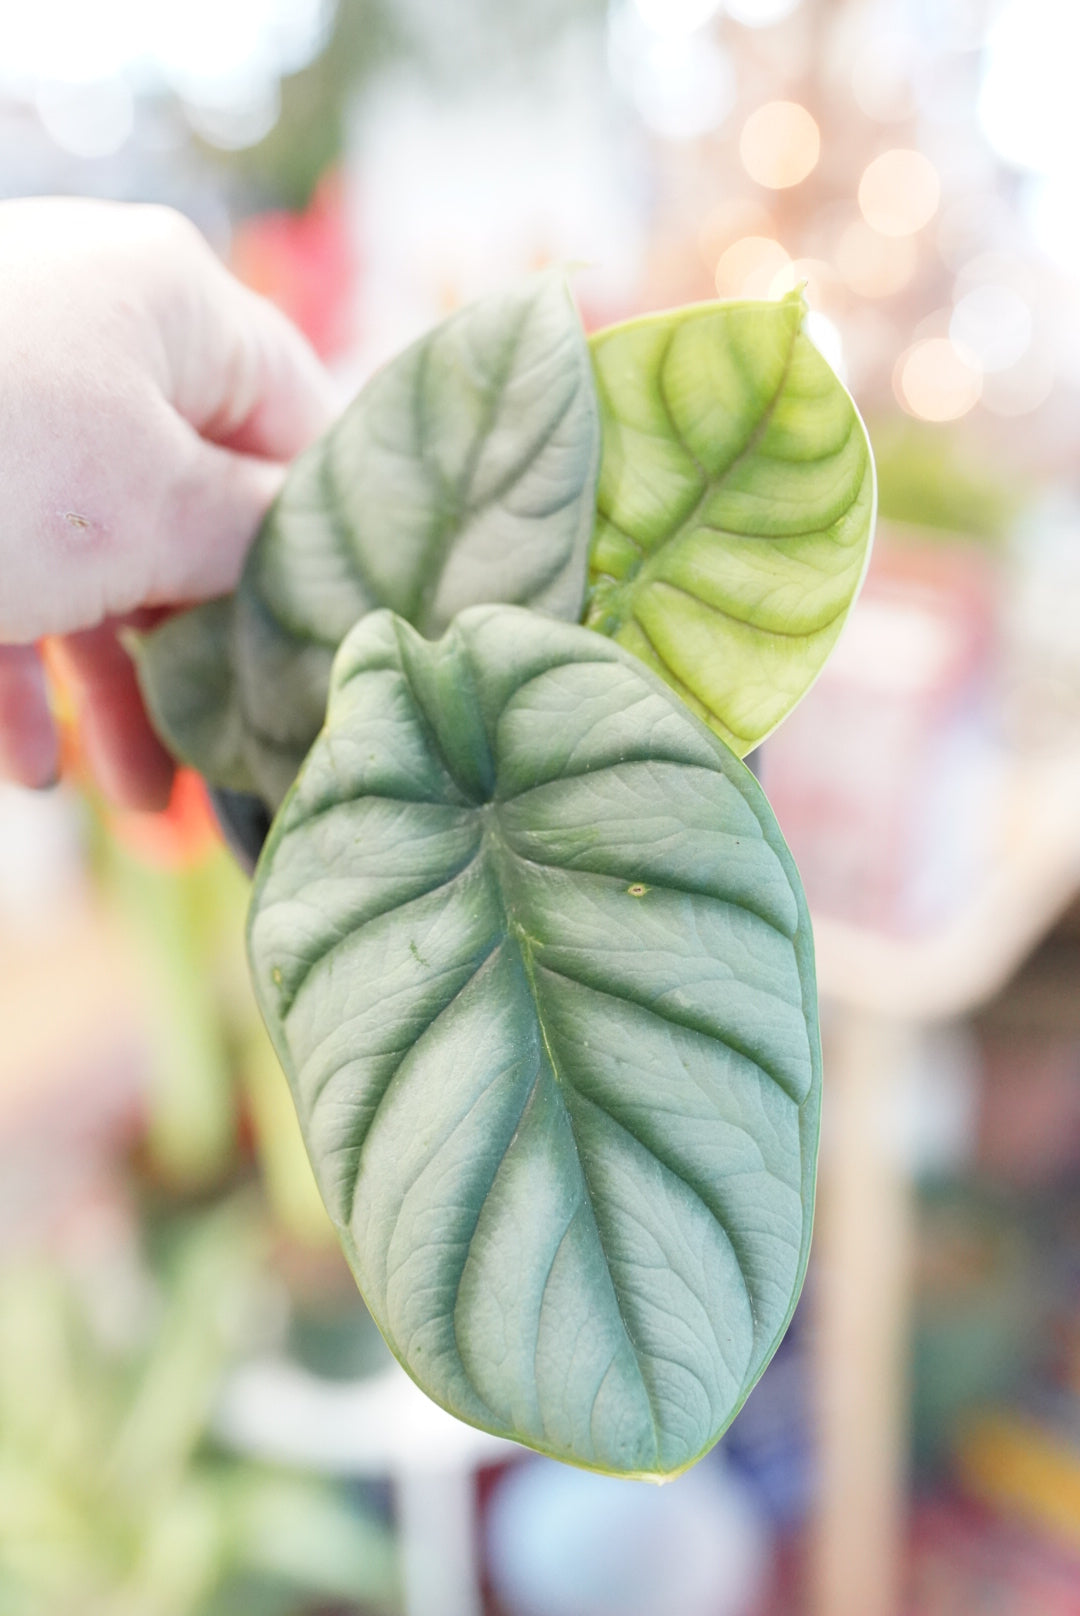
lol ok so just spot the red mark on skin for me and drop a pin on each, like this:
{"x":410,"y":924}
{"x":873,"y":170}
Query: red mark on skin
{"x":77,"y":534}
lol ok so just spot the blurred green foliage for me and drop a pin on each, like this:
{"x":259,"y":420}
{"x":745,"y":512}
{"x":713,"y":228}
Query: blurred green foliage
{"x":214,"y":1084}
{"x":114,"y":1498}
{"x":113,"y":1501}
{"x":980,"y":1316}
{"x":932,"y":476}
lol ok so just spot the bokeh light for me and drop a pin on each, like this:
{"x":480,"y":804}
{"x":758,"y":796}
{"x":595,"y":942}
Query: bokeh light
{"x":682,"y":84}
{"x":934,"y":381}
{"x":1053,"y":216}
{"x":760,"y":13}
{"x":972,"y":223}
{"x":749,"y":267}
{"x":872,"y":342}
{"x":676,"y":16}
{"x":992,"y":324}
{"x":237,"y":113}
{"x":93,"y":119}
{"x":780,"y":144}
{"x":899,"y":192}
{"x":1021,"y":389}
{"x":817,"y":278}
{"x":82,"y":64}
{"x":725,"y":223}
{"x":1028,"y":106}
{"x":881,"y":77}
{"x":873,"y":265}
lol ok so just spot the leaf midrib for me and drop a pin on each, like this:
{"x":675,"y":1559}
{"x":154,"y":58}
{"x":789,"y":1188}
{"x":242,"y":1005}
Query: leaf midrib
{"x":456,"y":507}
{"x":505,"y":860}
{"x":620,"y":601}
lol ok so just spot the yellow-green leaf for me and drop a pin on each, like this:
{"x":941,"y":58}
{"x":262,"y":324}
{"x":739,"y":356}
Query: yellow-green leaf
{"x":735,"y":507}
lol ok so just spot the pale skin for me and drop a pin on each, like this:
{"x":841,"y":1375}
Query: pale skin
{"x":148,"y":406}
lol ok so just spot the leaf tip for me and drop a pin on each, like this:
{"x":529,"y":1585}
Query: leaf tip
{"x":133,"y":641}
{"x":796,"y":299}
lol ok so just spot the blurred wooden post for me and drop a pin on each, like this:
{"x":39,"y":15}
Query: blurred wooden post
{"x":861,"y":1274}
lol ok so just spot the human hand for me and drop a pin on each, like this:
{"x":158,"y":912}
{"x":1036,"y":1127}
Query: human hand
{"x":148,"y":402}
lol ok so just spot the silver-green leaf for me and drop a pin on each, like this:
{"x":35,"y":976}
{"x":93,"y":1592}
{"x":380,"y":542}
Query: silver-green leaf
{"x":464,"y":472}
{"x":735,"y":507}
{"x":538,"y":965}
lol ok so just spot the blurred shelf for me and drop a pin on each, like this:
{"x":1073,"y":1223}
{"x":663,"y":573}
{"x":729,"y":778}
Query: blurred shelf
{"x":1028,"y":885}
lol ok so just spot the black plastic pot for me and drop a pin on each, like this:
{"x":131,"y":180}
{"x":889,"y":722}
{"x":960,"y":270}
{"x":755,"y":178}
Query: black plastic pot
{"x":244,"y":822}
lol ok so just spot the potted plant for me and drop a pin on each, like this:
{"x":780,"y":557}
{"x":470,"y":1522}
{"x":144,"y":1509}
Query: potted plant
{"x":524,"y":931}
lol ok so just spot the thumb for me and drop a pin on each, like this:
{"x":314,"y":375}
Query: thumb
{"x":239,"y":372}
{"x":277,"y":396}
{"x":209,"y":520}
{"x":245,"y":392}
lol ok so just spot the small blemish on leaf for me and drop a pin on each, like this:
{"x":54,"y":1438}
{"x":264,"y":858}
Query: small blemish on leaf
{"x":637,"y":889}
{"x":417,"y":956}
{"x":276,"y":975}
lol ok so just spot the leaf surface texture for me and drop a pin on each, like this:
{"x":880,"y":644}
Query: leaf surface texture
{"x":464,"y":472}
{"x":537,"y":962}
{"x":735,"y":507}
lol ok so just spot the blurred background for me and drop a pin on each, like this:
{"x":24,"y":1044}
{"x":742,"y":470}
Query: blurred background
{"x":197,"y":1418}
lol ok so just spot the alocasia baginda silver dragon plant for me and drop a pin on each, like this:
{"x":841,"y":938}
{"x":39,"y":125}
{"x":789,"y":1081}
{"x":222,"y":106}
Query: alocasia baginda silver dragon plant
{"x":530,"y":946}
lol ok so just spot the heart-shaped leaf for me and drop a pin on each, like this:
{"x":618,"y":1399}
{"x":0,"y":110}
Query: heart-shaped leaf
{"x":735,"y":507}
{"x":538,"y":965}
{"x":465,"y":471}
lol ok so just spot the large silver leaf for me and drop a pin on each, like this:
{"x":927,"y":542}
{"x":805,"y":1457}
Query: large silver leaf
{"x":538,"y":965}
